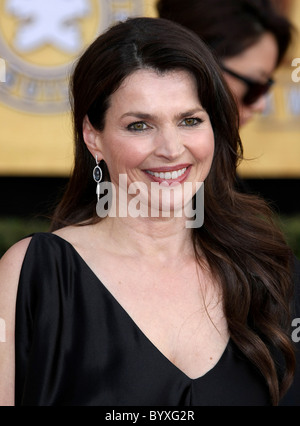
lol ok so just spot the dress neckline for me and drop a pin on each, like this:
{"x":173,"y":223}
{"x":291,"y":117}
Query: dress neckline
{"x":109,"y":294}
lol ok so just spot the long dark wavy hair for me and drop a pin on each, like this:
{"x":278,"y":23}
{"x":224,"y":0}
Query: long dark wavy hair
{"x":229,"y":27}
{"x":243,"y":247}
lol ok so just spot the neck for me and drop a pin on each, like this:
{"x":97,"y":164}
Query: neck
{"x":158,"y":238}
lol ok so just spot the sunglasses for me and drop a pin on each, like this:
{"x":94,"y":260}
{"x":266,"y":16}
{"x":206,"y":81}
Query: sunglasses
{"x":255,"y":89}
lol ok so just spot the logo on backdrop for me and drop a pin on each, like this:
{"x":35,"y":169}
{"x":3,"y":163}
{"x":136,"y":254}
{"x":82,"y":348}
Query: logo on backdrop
{"x":39,"y":42}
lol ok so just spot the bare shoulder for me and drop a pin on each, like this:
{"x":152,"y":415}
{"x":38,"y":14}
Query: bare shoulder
{"x":11,"y":261}
{"x":10,"y":267}
{"x":78,"y":235}
{"x":18,"y":249}
{"x":68,"y":233}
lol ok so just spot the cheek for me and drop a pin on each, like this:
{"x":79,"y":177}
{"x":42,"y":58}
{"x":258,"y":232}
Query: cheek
{"x":122,"y":158}
{"x":203,"y":150}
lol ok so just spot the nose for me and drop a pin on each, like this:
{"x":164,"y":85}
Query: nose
{"x":169,"y":144}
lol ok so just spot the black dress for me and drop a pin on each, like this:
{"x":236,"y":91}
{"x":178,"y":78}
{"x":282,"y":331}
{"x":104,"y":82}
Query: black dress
{"x":76,"y":345}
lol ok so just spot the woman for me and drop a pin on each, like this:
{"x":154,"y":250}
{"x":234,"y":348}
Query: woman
{"x":249,"y":36}
{"x":141,"y":309}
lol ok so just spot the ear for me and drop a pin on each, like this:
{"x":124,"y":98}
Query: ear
{"x":92,"y":138}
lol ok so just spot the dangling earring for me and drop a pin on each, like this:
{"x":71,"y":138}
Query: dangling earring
{"x":97,"y":175}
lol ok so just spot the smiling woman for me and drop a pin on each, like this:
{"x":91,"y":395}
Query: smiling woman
{"x":155,"y":131}
{"x":143,"y":309}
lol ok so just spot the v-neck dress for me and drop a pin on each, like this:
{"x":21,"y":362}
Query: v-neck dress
{"x":77,"y":346}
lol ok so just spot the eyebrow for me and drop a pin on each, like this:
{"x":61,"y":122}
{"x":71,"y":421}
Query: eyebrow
{"x":146,"y":116}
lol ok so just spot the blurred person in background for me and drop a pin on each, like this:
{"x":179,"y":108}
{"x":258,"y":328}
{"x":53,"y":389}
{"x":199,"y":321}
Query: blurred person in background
{"x":250,"y":38}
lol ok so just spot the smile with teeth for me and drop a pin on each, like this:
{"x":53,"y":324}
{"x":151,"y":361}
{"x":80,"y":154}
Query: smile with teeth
{"x":168,"y":175}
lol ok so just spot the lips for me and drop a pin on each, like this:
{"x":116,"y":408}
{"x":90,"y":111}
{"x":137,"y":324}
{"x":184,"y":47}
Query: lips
{"x":174,"y":174}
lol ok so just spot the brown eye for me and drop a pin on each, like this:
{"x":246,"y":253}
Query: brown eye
{"x":189,"y":122}
{"x":137,"y":126}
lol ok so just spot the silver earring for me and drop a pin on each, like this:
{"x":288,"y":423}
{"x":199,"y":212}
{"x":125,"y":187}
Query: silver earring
{"x":97,"y":175}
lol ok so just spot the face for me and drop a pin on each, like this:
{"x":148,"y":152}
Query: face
{"x":256,"y":63}
{"x":156,"y":131}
